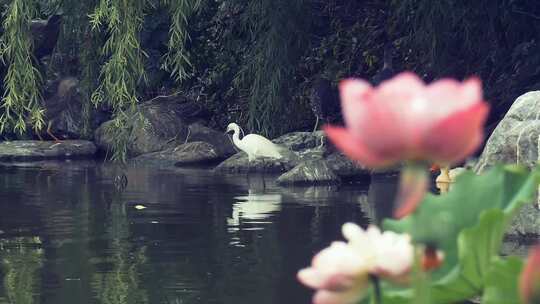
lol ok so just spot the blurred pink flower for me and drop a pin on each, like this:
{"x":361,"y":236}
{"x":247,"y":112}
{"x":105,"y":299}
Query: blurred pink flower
{"x":340,"y":272}
{"x":405,"y":119}
{"x":529,"y":282}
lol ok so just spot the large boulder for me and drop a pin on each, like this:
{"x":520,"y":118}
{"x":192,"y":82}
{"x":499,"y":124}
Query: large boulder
{"x":63,"y":109}
{"x":239,"y":163}
{"x":300,"y":150}
{"x":45,"y":34}
{"x":147,"y":137}
{"x":516,"y":138}
{"x":193,"y":153}
{"x":25,"y":150}
{"x":346,"y":168}
{"x":219,"y":140}
{"x":299,"y":141}
{"x":526,"y":223}
{"x":164,"y":124}
{"x":309,"y":172}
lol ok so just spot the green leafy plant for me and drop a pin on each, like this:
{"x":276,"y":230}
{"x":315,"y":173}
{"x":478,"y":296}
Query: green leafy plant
{"x":277,"y":34}
{"x":468,"y":225}
{"x":124,"y":68}
{"x":176,"y":60}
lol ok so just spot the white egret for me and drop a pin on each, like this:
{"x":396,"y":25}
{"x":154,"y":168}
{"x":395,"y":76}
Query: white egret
{"x":253,"y":144}
{"x":446,"y":177}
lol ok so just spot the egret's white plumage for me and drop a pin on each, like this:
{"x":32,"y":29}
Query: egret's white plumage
{"x":253,"y":144}
{"x":447,"y":178}
{"x":449,"y":175}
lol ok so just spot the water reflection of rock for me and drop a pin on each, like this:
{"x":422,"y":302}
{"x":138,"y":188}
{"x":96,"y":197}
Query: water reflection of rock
{"x":100,"y":249}
{"x":380,"y":199}
{"x":313,"y":195}
{"x":22,"y":258}
{"x":252,"y":210}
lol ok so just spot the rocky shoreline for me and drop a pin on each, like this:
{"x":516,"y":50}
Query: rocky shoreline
{"x":174,"y":133}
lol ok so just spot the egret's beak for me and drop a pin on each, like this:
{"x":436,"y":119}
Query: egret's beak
{"x":228,"y":130}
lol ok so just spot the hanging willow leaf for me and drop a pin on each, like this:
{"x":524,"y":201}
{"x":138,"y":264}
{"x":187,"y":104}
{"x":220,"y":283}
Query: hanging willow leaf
{"x":176,"y":60}
{"x":124,"y":68}
{"x":21,"y":101}
{"x":276,"y":32}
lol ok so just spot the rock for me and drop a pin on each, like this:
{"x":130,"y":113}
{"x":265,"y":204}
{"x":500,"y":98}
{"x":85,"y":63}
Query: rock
{"x":316,"y":196}
{"x":239,"y":163}
{"x":146,"y":137}
{"x":221,"y":141}
{"x":165,"y":124}
{"x":63,"y":109}
{"x":189,"y":111}
{"x":526,"y":223}
{"x":45,"y":35}
{"x":346,"y":168}
{"x":298,"y":141}
{"x":197,"y":153}
{"x":309,"y":172}
{"x":304,"y":155}
{"x":297,"y":148}
{"x":381,"y":194}
{"x":186,"y":154}
{"x":516,"y":138}
{"x":161,"y":127}
{"x":24,"y":150}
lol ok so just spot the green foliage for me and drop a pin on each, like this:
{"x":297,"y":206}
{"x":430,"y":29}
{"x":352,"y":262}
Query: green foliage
{"x":176,"y":60}
{"x":122,"y":284}
{"x":78,"y":43}
{"x":121,"y":129}
{"x":468,"y":225}
{"x":124,"y":68}
{"x":276,"y":35}
{"x":501,"y":284}
{"x":440,"y":219}
{"x":22,"y":83}
{"x":254,"y":62}
{"x":21,"y":262}
{"x":493,"y":39}
{"x":89,"y":56}
{"x":433,"y":28}
{"x":218,"y":48}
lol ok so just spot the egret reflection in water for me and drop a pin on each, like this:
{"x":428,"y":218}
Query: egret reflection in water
{"x":202,"y":238}
{"x":253,"y":209}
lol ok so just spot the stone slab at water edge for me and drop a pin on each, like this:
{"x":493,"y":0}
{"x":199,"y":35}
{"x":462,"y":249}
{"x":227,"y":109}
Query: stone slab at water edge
{"x":192,"y":153}
{"x":36,"y":150}
{"x":309,"y":172}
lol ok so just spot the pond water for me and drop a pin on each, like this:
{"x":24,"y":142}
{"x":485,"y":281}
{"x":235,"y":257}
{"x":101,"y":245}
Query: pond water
{"x":68,"y":235}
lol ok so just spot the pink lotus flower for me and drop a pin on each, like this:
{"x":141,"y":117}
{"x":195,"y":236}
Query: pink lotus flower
{"x":529,"y":282}
{"x":340,"y":272}
{"x":405,"y":119}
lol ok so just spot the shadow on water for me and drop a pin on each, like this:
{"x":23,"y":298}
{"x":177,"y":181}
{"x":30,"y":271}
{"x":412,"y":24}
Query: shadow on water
{"x":68,"y":234}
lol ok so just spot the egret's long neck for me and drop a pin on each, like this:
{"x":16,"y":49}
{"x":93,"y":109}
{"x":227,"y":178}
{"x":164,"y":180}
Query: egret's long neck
{"x":236,"y":137}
